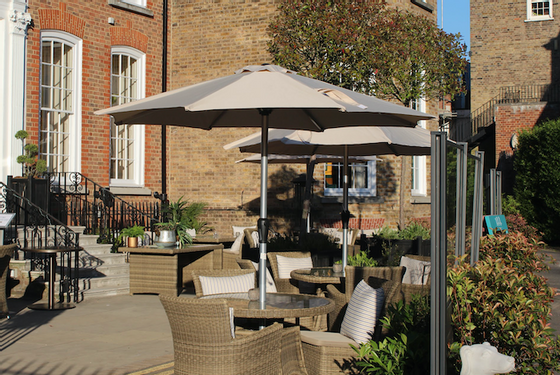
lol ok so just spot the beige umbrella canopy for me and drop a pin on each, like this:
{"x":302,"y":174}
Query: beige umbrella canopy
{"x":263,"y":96}
{"x":354,"y":141}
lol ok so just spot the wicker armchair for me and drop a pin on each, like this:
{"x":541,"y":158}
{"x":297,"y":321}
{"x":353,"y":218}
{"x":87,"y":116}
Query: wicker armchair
{"x":408,"y":290}
{"x":216,"y":273}
{"x":285,"y":285}
{"x":203,"y":343}
{"x":246,"y":264}
{"x":6,"y":252}
{"x":233,"y":253}
{"x":330,"y":352}
{"x":353,"y":276}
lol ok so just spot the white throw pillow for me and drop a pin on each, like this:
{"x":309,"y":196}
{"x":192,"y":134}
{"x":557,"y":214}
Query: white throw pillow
{"x":287,"y":264}
{"x":236,"y":246}
{"x":270,"y":285}
{"x":416,"y":271}
{"x":228,"y":284}
{"x":362,"y":313}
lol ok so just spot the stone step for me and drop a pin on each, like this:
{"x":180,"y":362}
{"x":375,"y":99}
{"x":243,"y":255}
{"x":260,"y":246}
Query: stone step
{"x":88,"y":239}
{"x":105,"y":270}
{"x":89,"y":261}
{"x":105,"y":292}
{"x":97,"y":249}
{"x":93,"y":283}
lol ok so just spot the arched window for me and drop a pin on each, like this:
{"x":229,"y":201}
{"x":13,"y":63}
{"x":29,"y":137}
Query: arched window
{"x":127,"y":141}
{"x":60,"y":114}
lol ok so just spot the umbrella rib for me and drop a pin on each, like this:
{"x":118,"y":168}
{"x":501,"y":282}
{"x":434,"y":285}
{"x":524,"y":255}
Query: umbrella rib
{"x":314,"y":121}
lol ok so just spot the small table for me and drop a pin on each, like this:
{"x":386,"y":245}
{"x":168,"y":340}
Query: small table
{"x":165,"y":270}
{"x":51,"y":269}
{"x":225,"y":240}
{"x":278,"y":305}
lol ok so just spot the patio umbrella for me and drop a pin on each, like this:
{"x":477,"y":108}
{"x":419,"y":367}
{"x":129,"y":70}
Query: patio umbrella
{"x":263,"y":96}
{"x":355,"y":141}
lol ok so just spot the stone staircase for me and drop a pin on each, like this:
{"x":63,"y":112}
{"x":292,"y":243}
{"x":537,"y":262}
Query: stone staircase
{"x":102,"y":273}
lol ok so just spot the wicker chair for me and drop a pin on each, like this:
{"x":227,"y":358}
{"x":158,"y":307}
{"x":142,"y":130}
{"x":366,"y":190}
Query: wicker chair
{"x":285,"y":285}
{"x":353,"y":276}
{"x":231,"y":255}
{"x":203,"y":343}
{"x":330,"y":352}
{"x":246,"y":264}
{"x":6,"y":252}
{"x":215,"y":273}
{"x":408,"y":290}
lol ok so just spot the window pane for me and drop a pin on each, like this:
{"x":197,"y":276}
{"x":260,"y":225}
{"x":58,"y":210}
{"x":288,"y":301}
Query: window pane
{"x":124,"y":89}
{"x":57,"y":93}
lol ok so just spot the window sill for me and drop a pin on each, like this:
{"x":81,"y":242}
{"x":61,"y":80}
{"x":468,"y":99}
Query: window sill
{"x":117,"y":190}
{"x":353,"y":200}
{"x":420,"y":200}
{"x":131,"y":7}
{"x":540,"y":19}
{"x":424,"y":5}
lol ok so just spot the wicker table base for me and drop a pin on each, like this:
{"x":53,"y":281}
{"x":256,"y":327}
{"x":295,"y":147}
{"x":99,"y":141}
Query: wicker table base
{"x":166,"y":270}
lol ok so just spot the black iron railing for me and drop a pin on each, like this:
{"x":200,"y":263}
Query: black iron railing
{"x":33,"y":228}
{"x":77,"y":200}
{"x":484,"y":115}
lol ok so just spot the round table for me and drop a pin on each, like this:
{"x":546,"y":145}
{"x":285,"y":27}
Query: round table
{"x":319,"y":275}
{"x":278,"y":305}
{"x":51,"y":266}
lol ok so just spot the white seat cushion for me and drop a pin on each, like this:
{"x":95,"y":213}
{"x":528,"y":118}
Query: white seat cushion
{"x":287,"y":264}
{"x":362,"y":313}
{"x":416,"y":271}
{"x":270,"y":285}
{"x":326,"y":339}
{"x":229,"y":284}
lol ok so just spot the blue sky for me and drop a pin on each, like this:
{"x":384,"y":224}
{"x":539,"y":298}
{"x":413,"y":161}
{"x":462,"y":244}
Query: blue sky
{"x":455,"y":18}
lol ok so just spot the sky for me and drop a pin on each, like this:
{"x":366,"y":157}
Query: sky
{"x":455,"y":18}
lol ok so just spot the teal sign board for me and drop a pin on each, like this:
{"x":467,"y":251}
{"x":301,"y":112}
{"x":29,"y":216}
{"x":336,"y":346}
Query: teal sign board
{"x":496,"y":223}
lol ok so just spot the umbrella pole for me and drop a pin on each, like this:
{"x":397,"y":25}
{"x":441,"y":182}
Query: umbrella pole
{"x":345,"y":215}
{"x":263,"y":220}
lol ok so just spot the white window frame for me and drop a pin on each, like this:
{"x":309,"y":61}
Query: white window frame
{"x":139,"y":131}
{"x":140,"y":3}
{"x":353,"y":192}
{"x":418,"y":168}
{"x":75,"y":132}
{"x":544,"y":17}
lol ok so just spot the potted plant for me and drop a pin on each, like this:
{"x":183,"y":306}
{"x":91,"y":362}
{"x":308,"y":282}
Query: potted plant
{"x":132,"y":233}
{"x":337,"y":266}
{"x":177,"y":218}
{"x":391,"y":244}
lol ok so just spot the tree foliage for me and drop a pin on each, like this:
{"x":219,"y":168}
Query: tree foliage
{"x":367,"y":47}
{"x":537,"y":182}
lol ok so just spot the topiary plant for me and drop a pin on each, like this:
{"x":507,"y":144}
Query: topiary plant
{"x":32,"y":165}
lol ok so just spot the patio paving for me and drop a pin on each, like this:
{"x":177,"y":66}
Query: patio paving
{"x":108,"y":335}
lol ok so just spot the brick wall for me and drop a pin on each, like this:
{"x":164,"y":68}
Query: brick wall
{"x":507,"y":50}
{"x":88,"y":20}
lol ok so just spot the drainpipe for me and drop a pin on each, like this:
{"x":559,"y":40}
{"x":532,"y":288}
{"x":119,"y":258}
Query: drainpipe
{"x":163,"y":89}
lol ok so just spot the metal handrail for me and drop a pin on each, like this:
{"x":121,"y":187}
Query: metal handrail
{"x":484,"y":115}
{"x":40,"y":229}
{"x":102,"y":209}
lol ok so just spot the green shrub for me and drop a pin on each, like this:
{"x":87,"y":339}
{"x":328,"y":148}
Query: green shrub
{"x":406,"y":348}
{"x":361,"y":260}
{"x":537,"y":182}
{"x":509,"y":205}
{"x":504,"y":301}
{"x":413,"y":230}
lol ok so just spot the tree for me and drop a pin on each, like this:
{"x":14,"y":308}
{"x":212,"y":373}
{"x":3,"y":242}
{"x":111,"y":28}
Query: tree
{"x":537,"y":180}
{"x":369,"y":48}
